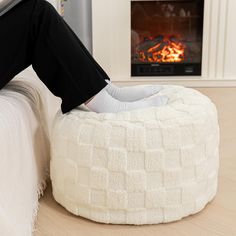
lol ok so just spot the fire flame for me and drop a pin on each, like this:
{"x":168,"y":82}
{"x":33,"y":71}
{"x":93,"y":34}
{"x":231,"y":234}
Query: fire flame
{"x":170,"y":52}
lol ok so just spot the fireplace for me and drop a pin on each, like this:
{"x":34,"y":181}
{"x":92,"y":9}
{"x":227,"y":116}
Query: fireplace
{"x":166,"y":37}
{"x":111,"y":43}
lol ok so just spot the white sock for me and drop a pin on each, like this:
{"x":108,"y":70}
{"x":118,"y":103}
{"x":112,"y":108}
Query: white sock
{"x":131,"y":93}
{"x":104,"y":102}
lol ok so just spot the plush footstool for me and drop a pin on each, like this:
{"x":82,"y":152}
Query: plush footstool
{"x":146,"y":166}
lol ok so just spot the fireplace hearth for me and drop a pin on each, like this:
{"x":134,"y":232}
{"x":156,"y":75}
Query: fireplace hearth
{"x":166,"y":37}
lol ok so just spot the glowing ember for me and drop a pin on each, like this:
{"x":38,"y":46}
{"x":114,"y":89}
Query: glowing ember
{"x":163,"y":50}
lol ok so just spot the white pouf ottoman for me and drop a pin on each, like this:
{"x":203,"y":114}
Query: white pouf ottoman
{"x":146,"y":166}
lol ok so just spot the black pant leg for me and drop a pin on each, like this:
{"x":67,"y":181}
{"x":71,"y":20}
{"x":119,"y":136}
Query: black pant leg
{"x":59,"y":58}
{"x":76,"y":77}
{"x":15,"y":40}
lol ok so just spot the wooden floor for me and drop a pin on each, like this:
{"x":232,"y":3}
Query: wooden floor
{"x":218,"y":218}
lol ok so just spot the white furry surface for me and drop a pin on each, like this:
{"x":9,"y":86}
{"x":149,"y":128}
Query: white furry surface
{"x":24,"y":156}
{"x":146,"y":166}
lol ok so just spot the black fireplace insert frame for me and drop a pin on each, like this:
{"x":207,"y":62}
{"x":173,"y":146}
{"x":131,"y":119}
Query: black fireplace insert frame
{"x":172,"y":68}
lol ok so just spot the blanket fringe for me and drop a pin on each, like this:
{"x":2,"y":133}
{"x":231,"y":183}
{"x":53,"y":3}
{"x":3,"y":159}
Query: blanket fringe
{"x":40,"y":192}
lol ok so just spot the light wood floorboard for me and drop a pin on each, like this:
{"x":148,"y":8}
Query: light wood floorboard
{"x":217,"y":219}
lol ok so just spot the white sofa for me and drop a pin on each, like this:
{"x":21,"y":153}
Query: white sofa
{"x":24,"y":155}
{"x":27,"y":109}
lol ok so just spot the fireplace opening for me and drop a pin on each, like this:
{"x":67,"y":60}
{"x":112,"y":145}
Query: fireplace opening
{"x":166,"y":37}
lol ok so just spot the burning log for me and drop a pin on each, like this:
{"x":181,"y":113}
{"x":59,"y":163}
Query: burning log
{"x":160,"y":49}
{"x":149,"y":43}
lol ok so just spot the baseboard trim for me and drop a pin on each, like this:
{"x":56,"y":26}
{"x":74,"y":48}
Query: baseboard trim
{"x":186,"y":82}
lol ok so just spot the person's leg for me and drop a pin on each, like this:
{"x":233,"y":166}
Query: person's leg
{"x":78,"y":65}
{"x":34,"y":33}
{"x":15,"y":43}
{"x":74,"y":76}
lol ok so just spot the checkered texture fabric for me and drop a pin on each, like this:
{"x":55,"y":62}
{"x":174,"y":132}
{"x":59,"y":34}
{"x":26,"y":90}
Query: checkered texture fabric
{"x":145,"y":166}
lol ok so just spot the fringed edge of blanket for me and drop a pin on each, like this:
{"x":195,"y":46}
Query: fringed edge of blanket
{"x":40,"y":192}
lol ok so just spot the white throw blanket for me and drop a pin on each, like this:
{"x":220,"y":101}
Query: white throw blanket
{"x":24,"y":156}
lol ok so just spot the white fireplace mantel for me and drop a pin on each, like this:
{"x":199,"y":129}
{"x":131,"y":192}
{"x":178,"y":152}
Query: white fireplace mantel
{"x":111,"y":26}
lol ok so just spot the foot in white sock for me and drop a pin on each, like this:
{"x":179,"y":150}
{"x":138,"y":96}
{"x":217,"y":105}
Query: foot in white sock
{"x":104,"y":102}
{"x":131,"y":93}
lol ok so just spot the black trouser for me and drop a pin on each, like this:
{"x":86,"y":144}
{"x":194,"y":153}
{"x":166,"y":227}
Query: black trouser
{"x":33,"y":32}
